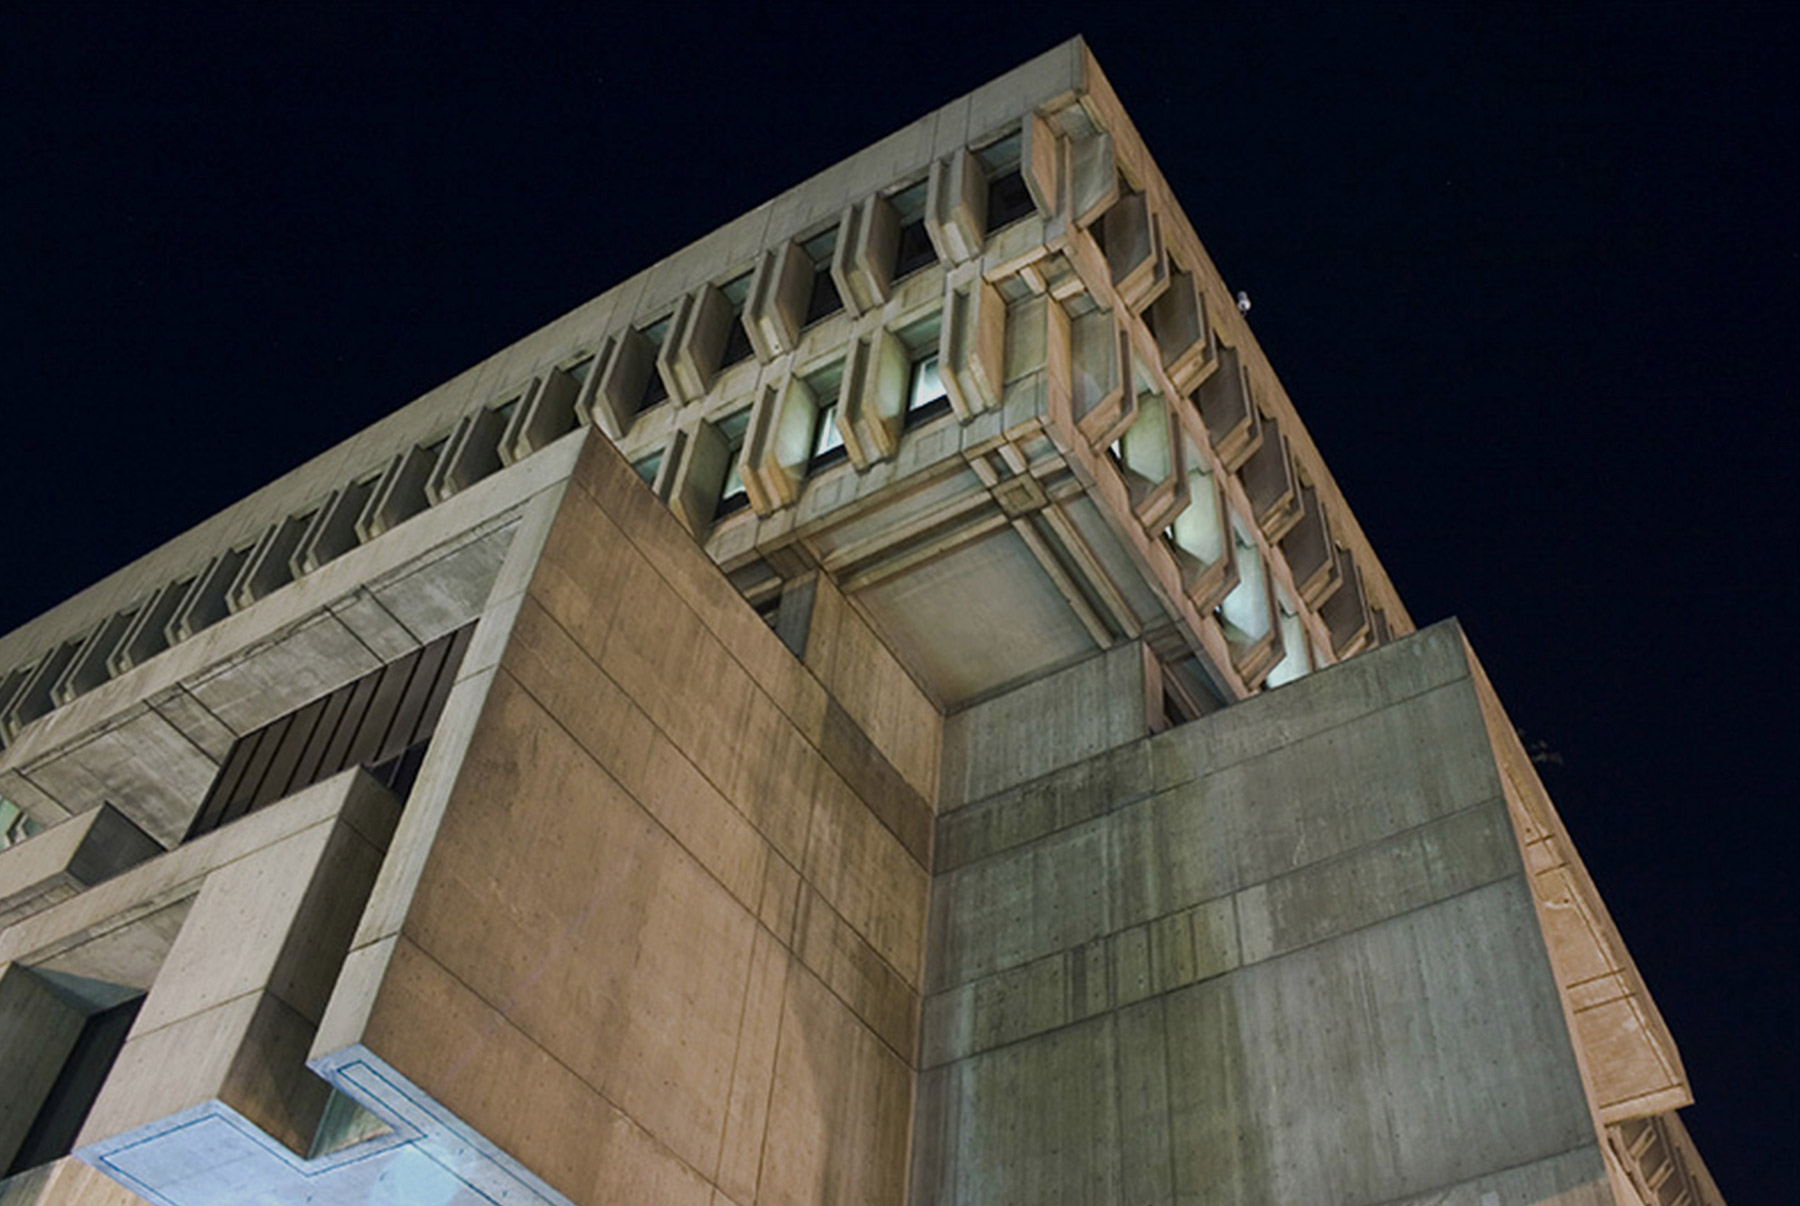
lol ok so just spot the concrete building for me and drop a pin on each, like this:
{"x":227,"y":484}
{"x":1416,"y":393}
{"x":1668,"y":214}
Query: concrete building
{"x":887,"y":705}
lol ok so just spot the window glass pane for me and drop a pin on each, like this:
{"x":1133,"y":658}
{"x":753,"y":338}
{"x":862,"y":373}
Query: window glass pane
{"x":909,"y":203}
{"x":1293,"y":661}
{"x":826,"y":438}
{"x":732,"y":496}
{"x":648,"y":465}
{"x":927,"y":386}
{"x":1245,"y":610}
{"x":1002,"y":156}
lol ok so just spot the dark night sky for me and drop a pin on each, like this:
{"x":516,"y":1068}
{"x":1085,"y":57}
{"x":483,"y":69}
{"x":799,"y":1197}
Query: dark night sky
{"x":1525,"y":272}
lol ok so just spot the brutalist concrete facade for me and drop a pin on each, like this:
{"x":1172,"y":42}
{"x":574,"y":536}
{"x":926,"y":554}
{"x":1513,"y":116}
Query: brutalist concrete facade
{"x":888,"y":705}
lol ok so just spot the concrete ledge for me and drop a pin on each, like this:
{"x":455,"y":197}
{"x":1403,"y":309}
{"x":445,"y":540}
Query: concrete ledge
{"x":61,"y":861}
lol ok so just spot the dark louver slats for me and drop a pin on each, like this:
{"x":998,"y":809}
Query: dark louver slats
{"x":381,"y":721}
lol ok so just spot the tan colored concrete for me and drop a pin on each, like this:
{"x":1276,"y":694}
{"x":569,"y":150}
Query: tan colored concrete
{"x":231,"y":1014}
{"x":1307,"y":968}
{"x":657,"y":817}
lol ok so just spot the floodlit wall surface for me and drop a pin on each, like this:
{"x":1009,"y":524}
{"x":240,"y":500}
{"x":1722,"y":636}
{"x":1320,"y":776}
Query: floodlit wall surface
{"x":1287,"y":953}
{"x":877,"y":893}
{"x":669,"y":937}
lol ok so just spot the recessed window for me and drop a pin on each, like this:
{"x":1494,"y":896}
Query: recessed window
{"x":737,"y":337}
{"x":915,"y":249}
{"x":1294,"y":660}
{"x":647,"y":466}
{"x":655,"y":390}
{"x":926,"y":397}
{"x":827,"y":447}
{"x":824,"y":300}
{"x":580,"y":369}
{"x":732,"y":496}
{"x":827,"y":442}
{"x":1008,"y":199}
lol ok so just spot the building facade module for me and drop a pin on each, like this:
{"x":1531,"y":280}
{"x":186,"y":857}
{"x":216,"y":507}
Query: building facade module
{"x":887,"y":705}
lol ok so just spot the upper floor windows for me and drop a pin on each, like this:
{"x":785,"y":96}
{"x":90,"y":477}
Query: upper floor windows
{"x":737,"y":337}
{"x":823,"y":301}
{"x":1008,"y":199}
{"x":827,"y":447}
{"x":655,"y":388}
{"x":926,"y":397}
{"x":914,"y":250}
{"x":732,"y":495}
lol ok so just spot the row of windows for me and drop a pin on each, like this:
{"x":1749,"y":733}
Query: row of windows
{"x":365,"y":507}
{"x":817,"y":290}
{"x":426,"y":475}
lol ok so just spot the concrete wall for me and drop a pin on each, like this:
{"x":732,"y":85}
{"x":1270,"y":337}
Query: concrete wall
{"x":668,"y":940}
{"x":1287,"y":953}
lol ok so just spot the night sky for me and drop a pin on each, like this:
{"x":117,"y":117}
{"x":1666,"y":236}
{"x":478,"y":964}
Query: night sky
{"x":1529,"y":276}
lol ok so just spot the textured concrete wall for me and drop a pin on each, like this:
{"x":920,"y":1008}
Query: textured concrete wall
{"x":669,"y":937}
{"x":1287,"y":953}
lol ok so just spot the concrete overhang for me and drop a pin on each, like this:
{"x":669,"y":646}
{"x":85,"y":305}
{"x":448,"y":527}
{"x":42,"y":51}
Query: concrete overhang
{"x":1628,"y":1057}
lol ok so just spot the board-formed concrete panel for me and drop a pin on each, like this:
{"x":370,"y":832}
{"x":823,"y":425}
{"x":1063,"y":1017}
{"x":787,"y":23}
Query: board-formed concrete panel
{"x":1288,"y":953}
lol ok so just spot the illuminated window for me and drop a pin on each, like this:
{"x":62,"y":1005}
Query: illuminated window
{"x":1245,"y":611}
{"x":827,"y":443}
{"x":732,"y":496}
{"x":926,"y":397}
{"x":1294,"y":660}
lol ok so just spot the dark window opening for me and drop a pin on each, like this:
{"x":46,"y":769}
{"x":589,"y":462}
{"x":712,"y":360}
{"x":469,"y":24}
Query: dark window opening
{"x":654,"y":391}
{"x":915,"y":251}
{"x":382,"y":721}
{"x":737,"y":343}
{"x":824,"y":301}
{"x":58,"y":1121}
{"x":1008,"y":200}
{"x":737,"y":337}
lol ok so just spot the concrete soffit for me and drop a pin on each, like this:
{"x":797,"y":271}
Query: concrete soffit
{"x":1628,"y":1056}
